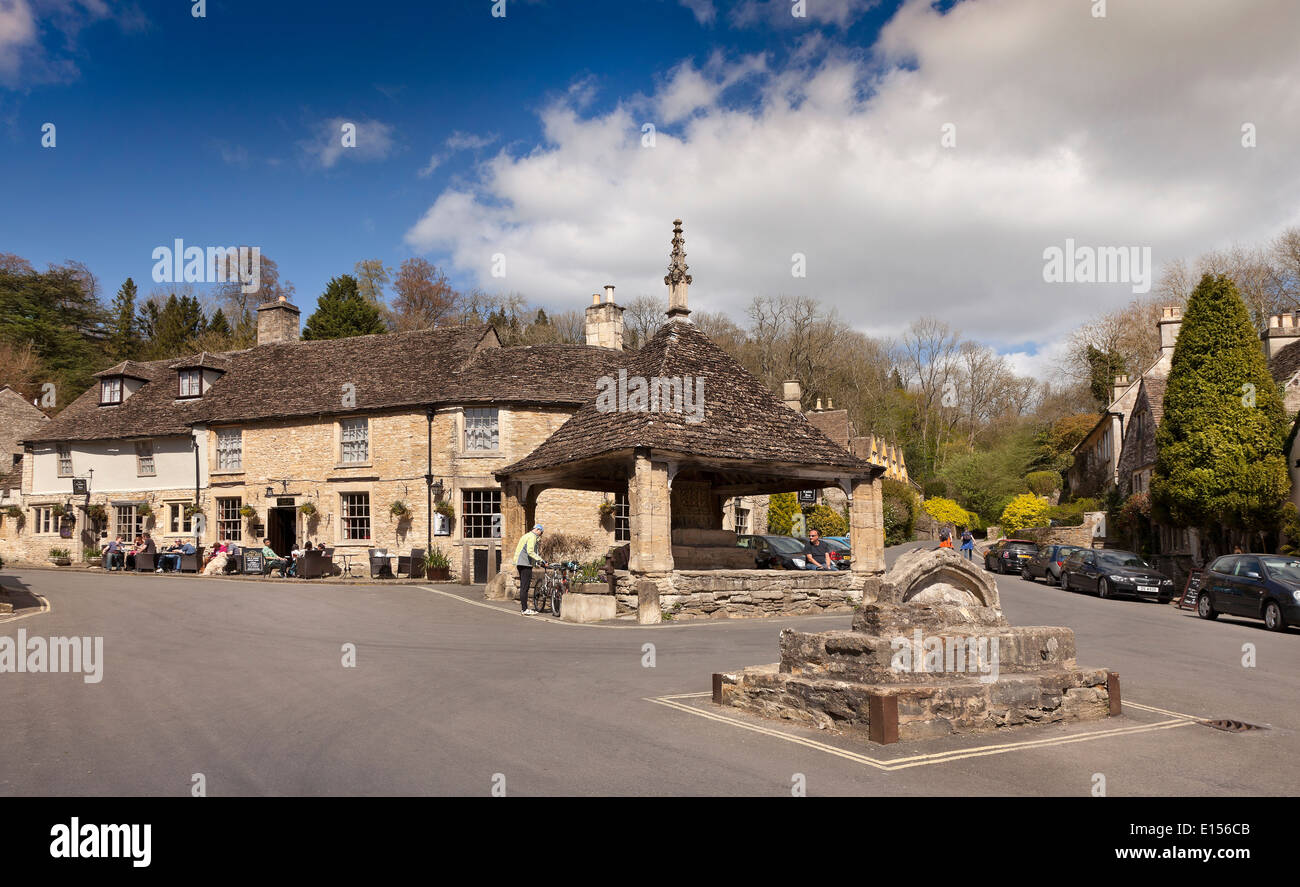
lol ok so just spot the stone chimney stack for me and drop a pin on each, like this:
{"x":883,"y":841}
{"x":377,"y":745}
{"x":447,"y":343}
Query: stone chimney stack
{"x":1282,"y":331}
{"x":678,"y":280}
{"x":792,"y":394}
{"x":1121,"y":383}
{"x":277,"y":322}
{"x":1171,"y":320}
{"x":605,"y":321}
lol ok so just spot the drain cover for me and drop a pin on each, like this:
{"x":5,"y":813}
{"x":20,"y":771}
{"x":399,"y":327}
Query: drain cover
{"x":1230,"y":726}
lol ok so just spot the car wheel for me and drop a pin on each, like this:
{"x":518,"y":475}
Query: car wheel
{"x":1273,"y":617}
{"x":1104,"y":590}
{"x":1065,"y":582}
{"x":1026,"y":575}
{"x":1060,"y":581}
{"x":1204,"y":607}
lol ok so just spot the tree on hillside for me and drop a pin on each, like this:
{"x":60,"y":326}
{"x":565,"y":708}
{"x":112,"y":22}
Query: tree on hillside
{"x":123,"y":328}
{"x":55,"y":313}
{"x":371,"y":277}
{"x":342,"y":312}
{"x":1103,"y":367}
{"x":423,"y":296}
{"x":1220,"y":461}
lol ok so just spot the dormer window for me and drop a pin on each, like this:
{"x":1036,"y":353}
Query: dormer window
{"x":191,"y":383}
{"x":110,"y":390}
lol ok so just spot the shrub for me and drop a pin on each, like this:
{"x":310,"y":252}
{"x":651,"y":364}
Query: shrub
{"x":1070,"y":514}
{"x":1043,"y":483}
{"x":936,"y":488}
{"x":1026,"y":510}
{"x":436,"y":558}
{"x":563,"y":546}
{"x":57,"y":553}
{"x":90,"y":555}
{"x":781,"y":510}
{"x":899,"y":503}
{"x":946,"y":511}
{"x":827,"y":521}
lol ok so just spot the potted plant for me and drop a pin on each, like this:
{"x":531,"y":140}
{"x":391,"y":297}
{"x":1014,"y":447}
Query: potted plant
{"x":192,"y":509}
{"x":144,"y":509}
{"x":400,"y":510}
{"x":605,"y":510}
{"x":437,"y":566}
{"x":446,"y":509}
{"x":59,"y":557}
{"x":59,"y":511}
{"x":248,"y":511}
{"x":98,"y":514}
{"x":91,"y":555}
{"x":308,"y":510}
{"x":15,"y":514}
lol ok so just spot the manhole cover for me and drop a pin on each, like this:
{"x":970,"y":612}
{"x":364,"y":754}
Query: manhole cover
{"x":1230,"y":726}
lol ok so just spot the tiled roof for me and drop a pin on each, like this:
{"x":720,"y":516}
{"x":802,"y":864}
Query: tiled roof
{"x":448,"y":365}
{"x":1155,"y":387}
{"x":1285,"y":363}
{"x":130,"y":368}
{"x":742,"y":418}
{"x":17,"y":418}
{"x":834,"y":424}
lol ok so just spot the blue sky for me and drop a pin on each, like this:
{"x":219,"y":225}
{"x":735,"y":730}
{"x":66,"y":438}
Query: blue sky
{"x":777,"y":136}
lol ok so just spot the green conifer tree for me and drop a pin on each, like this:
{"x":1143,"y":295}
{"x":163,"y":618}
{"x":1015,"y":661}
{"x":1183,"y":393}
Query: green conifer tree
{"x":342,"y":311}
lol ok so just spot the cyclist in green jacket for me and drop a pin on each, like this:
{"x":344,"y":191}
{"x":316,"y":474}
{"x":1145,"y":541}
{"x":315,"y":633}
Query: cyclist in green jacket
{"x":526,"y":557}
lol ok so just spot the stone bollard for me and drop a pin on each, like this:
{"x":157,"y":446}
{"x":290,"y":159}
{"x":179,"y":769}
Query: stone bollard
{"x":647,"y":603}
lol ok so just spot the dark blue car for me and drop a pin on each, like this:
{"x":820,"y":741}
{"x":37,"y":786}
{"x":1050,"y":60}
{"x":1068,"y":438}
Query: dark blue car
{"x":1257,"y":586}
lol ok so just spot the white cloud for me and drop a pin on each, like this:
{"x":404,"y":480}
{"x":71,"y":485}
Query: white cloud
{"x":17,"y":33}
{"x":781,"y":13}
{"x":374,"y":141}
{"x":1116,"y":131}
{"x":38,"y":38}
{"x":704,"y":11}
{"x":457,"y":141}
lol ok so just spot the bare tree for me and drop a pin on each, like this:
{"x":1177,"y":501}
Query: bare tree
{"x":424,"y":297}
{"x":642,"y":319}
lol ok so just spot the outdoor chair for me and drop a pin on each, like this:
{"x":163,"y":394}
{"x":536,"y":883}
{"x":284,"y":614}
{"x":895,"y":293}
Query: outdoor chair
{"x":234,"y":559}
{"x":408,"y":563}
{"x":145,"y":563}
{"x":330,"y":567}
{"x":379,"y":566}
{"x":192,"y":563}
{"x":311,"y":564}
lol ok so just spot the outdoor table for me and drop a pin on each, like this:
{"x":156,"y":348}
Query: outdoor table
{"x":347,"y":562}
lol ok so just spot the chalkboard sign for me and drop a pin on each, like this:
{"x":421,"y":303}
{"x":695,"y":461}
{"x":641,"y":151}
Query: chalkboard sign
{"x":253,"y":562}
{"x":1192,"y":591}
{"x":807,"y":497}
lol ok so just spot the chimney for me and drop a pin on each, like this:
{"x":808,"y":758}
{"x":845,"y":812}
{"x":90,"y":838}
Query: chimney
{"x":277,"y":322}
{"x":605,"y":321}
{"x":792,"y":394}
{"x":1121,"y":383}
{"x":1282,"y":331}
{"x":819,"y":406}
{"x":1171,"y":319}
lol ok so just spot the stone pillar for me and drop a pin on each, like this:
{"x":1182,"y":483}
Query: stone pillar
{"x":650,"y":515}
{"x":867,"y":526}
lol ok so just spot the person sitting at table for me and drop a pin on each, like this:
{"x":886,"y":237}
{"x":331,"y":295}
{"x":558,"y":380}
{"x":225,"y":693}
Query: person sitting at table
{"x":272,"y":561}
{"x":136,"y":548}
{"x":217,"y":560}
{"x":116,"y":553}
{"x":172,"y":555}
{"x":296,"y":555}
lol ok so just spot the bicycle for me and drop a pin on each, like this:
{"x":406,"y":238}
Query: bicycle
{"x":549,"y":593}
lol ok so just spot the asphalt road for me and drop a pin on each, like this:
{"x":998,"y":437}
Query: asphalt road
{"x":243,"y":682}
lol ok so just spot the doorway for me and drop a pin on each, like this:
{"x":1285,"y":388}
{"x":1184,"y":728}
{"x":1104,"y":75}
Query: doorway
{"x":281,"y":527}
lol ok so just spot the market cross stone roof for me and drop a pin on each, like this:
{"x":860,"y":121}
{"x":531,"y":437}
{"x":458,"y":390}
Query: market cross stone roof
{"x":741,"y":419}
{"x":463,"y":364}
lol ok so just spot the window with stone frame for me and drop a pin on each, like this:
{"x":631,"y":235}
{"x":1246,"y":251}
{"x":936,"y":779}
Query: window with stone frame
{"x":477,"y":509}
{"x":127,"y":523}
{"x":191,"y":383}
{"x":482,"y":429}
{"x":230,"y":449}
{"x":65,"y":459}
{"x":110,"y":390}
{"x":356,"y":515}
{"x":354,"y":437}
{"x":622,"y":518}
{"x":230,"y":523}
{"x":144,"y":464}
{"x":178,"y":522}
{"x":44,"y":522}
{"x":742,"y":521}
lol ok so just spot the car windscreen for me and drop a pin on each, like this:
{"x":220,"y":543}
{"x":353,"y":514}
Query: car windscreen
{"x":1122,"y":559}
{"x":1283,"y":569}
{"x":1028,"y":547}
{"x":785,"y":544}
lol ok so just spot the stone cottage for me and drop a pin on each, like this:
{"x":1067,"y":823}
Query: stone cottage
{"x":18,"y":418}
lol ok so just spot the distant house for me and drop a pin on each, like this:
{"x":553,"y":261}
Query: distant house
{"x":18,"y":418}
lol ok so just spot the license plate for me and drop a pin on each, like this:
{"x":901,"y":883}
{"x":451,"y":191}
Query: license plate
{"x":1149,"y":589}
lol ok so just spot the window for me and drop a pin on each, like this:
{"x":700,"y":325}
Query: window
{"x":482,"y":429}
{"x":356,"y":515}
{"x":230,"y":449}
{"x":144,"y":466}
{"x":478,"y":507}
{"x":742,"y":525}
{"x":622,"y":519}
{"x":178,"y":523}
{"x":230,"y":524}
{"x":110,"y":390}
{"x":128,"y":524}
{"x":191,"y":382}
{"x":45,"y":524}
{"x":355,"y":435}
{"x":65,"y":460}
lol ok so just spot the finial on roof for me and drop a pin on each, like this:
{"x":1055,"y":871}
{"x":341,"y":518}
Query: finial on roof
{"x":677,"y":279}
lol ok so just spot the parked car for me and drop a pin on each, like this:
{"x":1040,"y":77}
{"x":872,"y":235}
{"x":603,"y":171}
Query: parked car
{"x":1006,"y":555}
{"x":1111,"y":572}
{"x":1258,"y":586}
{"x":1046,"y":563}
{"x":775,"y":552}
{"x":841,"y":554}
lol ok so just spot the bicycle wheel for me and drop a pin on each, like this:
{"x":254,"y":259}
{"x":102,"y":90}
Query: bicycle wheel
{"x":556,"y":594}
{"x":541,"y":592}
